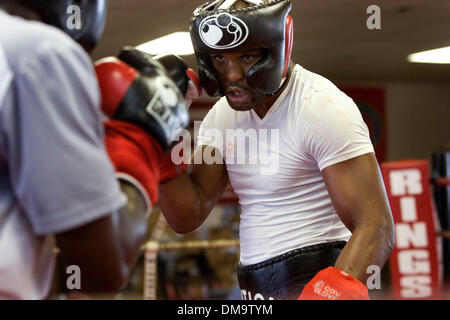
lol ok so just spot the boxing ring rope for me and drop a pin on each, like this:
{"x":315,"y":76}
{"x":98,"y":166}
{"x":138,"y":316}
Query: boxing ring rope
{"x":152,"y":248}
{"x":441,"y":182}
{"x":444,"y":234}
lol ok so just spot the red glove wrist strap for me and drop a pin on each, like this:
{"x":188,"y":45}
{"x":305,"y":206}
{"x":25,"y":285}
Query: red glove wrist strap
{"x":169,"y":169}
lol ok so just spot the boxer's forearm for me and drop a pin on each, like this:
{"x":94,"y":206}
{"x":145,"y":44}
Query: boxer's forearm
{"x":358,"y":195}
{"x":187,"y":200}
{"x":369,"y":245}
{"x":182,"y":203}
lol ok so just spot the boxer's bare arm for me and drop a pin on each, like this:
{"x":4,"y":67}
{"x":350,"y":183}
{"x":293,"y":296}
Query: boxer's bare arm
{"x":357,"y":192}
{"x":106,"y":249}
{"x":187,"y":200}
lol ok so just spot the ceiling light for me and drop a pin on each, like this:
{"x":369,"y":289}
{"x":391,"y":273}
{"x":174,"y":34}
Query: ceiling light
{"x":440,"y":55}
{"x":178,"y":43}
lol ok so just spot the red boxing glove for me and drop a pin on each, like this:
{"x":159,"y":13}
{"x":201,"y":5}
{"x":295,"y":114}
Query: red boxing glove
{"x":334,"y":284}
{"x":136,"y":154}
{"x":147,"y":99}
{"x":146,"y":110}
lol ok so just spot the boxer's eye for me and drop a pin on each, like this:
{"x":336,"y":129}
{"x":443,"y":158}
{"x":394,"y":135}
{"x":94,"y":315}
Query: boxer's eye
{"x":219,"y":58}
{"x":249,"y":58}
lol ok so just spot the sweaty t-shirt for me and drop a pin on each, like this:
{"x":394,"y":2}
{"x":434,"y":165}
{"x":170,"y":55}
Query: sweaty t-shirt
{"x":274,"y":164}
{"x":54,"y":172}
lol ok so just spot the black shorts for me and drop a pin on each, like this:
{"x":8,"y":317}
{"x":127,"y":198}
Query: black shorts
{"x":284,"y":277}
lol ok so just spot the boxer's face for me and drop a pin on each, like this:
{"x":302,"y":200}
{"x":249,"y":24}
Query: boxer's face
{"x":232,"y":69}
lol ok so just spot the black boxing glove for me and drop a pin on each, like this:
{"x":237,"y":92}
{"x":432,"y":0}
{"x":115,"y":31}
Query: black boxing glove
{"x":185,"y":78}
{"x":146,"y":110}
{"x":144,"y":96}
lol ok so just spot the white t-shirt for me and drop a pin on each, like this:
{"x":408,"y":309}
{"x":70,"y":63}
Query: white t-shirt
{"x":277,"y":177}
{"x":55,"y":174}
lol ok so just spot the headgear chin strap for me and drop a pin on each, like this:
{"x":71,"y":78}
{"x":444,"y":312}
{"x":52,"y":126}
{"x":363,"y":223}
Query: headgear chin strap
{"x":83,"y":20}
{"x":217,"y":29}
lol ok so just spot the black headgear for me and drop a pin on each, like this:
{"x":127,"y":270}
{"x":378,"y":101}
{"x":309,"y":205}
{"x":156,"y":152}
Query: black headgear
{"x":216,"y":29}
{"x":60,"y":13}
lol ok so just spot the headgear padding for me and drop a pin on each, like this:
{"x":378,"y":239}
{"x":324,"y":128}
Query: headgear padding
{"x":218,"y":30}
{"x":83,"y":20}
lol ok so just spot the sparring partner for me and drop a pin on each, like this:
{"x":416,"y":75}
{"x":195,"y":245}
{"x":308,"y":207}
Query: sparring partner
{"x":314,"y":210}
{"x":59,"y":184}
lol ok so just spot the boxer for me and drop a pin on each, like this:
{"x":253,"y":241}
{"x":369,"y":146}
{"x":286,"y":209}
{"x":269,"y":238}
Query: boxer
{"x":67,"y":178}
{"x":312,"y":224}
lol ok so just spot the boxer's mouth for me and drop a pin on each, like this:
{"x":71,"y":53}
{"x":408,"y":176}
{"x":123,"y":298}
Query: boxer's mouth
{"x":237,"y":95}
